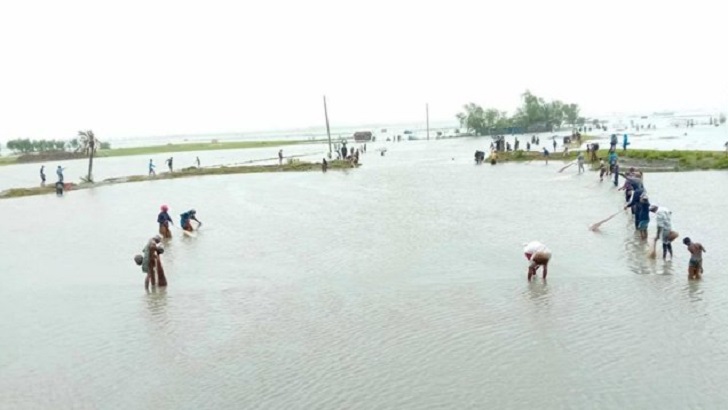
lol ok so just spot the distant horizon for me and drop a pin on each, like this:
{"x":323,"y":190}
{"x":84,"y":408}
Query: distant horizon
{"x":317,"y":129}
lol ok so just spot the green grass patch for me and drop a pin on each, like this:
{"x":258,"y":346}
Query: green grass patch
{"x":292,"y":166}
{"x":202,"y":146}
{"x":662,"y":160}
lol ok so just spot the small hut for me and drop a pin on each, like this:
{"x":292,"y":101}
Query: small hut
{"x":362,"y":136}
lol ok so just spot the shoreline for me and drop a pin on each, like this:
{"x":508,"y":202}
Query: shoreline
{"x":159,"y":149}
{"x":294,"y":166}
{"x":646,"y":159}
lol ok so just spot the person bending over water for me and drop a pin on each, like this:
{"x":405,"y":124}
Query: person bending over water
{"x":695,"y":267}
{"x":185,"y":219}
{"x":538,"y":255}
{"x":664,"y":229}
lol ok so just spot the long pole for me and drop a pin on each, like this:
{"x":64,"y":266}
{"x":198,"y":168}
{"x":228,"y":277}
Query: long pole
{"x":427,"y":114}
{"x":328,"y":131}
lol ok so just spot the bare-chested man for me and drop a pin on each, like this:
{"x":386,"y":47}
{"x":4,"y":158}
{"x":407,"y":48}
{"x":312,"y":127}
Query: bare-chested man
{"x":538,"y":255}
{"x":695,"y":268}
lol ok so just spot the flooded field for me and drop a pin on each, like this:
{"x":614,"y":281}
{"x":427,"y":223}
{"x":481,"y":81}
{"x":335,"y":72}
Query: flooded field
{"x":401,"y":284}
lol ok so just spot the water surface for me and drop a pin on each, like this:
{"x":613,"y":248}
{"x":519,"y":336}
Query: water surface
{"x":401,"y":284}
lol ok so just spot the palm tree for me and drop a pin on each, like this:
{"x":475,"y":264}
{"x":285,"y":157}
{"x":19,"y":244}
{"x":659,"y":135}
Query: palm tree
{"x":87,"y":143}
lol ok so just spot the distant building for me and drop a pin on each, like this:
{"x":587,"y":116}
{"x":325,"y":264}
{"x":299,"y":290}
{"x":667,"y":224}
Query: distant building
{"x":362,"y":136}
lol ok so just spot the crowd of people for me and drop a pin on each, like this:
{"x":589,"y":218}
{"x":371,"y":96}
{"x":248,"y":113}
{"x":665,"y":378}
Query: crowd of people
{"x":637,"y":201}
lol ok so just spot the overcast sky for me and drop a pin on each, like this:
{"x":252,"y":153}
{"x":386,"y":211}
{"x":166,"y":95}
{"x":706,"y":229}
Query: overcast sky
{"x":134,"y":68}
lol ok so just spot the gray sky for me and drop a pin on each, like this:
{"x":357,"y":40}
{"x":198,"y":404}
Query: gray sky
{"x":137,"y":68}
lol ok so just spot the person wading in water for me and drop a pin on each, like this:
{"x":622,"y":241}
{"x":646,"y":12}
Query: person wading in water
{"x":695,"y":267}
{"x":185,"y":219}
{"x":163,"y":219}
{"x":151,"y":263}
{"x":538,"y":255}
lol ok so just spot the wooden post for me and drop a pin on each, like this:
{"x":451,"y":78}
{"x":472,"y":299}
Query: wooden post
{"x":427,"y":115}
{"x":328,"y":131}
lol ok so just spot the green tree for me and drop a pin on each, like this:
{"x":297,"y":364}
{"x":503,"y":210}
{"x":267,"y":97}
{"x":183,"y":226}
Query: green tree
{"x":571,"y":111}
{"x":473,"y":119}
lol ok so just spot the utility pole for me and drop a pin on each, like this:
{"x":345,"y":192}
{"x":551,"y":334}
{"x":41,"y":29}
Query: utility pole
{"x":427,"y":115}
{"x":328,"y":131}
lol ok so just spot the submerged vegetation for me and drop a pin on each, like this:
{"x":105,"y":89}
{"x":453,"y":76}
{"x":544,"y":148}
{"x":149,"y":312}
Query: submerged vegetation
{"x":291,"y":166}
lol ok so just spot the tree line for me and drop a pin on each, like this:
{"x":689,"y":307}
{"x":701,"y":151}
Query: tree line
{"x":534,"y":115}
{"x":80,"y":145}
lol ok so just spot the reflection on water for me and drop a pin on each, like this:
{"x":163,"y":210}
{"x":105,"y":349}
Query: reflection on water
{"x":399,"y":285}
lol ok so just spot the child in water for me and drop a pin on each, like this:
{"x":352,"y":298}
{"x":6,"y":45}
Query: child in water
{"x":695,"y":266}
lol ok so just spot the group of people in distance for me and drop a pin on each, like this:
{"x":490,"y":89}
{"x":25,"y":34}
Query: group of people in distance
{"x":150,"y":258}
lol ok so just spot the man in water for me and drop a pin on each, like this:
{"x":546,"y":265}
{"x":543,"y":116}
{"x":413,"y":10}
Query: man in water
{"x":185,"y":219}
{"x":151,"y":263}
{"x":198,"y":162}
{"x":612,"y":160}
{"x":554,"y":144}
{"x":59,"y":172}
{"x":594,"y":152}
{"x":163,"y":219}
{"x":695,"y":267}
{"x":664,"y":229}
{"x":169,"y":163}
{"x":642,"y":214}
{"x":538,"y":255}
{"x":580,"y":162}
{"x":635,"y":198}
{"x":151,"y":168}
{"x":546,"y":155}
{"x":42,"y":175}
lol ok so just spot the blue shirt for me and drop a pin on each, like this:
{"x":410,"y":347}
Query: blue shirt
{"x":612,"y":158}
{"x":638,"y":191}
{"x":642,"y":213}
{"x":185,"y":217}
{"x":163,"y":218}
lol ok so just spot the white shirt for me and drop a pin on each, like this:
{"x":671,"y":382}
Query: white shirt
{"x":663,"y":216}
{"x":533,"y":247}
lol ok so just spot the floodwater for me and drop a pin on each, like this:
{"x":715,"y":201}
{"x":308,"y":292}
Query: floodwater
{"x":399,"y":285}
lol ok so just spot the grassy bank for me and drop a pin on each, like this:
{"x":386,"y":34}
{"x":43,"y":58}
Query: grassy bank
{"x":159,"y":149}
{"x":294,"y":166}
{"x":649,"y":159}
